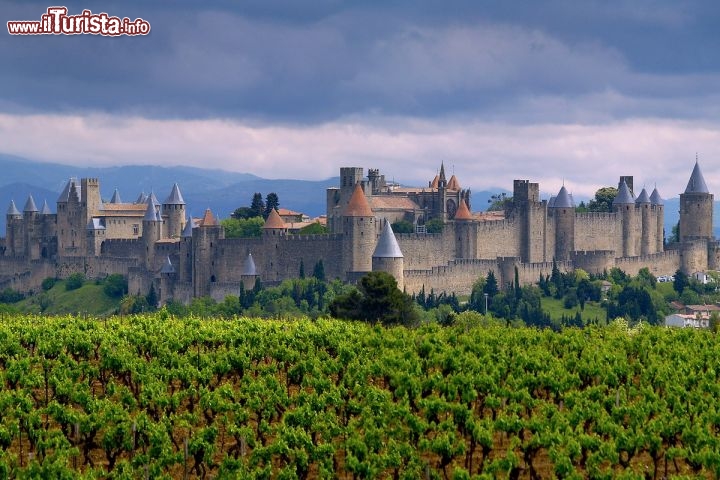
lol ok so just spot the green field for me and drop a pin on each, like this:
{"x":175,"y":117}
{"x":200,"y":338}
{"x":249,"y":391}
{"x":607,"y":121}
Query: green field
{"x":593,"y":311}
{"x":157,"y":397}
{"x":86,"y":300}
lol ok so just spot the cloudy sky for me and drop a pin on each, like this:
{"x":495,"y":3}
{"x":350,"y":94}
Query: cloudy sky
{"x":553,"y":91}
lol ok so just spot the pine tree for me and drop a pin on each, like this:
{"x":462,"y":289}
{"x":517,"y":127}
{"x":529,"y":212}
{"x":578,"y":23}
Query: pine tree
{"x":271,"y":202}
{"x":257,"y":206}
{"x":319,"y":271}
{"x":491,"y":286}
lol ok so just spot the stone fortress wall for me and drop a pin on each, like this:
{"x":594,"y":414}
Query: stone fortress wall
{"x":154,"y":243}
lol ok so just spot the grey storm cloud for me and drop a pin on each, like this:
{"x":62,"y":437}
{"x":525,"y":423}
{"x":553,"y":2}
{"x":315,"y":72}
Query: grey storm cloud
{"x":308,"y":62}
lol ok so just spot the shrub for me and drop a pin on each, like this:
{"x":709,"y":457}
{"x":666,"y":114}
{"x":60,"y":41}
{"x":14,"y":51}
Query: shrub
{"x":115,"y":286}
{"x":48,"y":283}
{"x":74,"y":281}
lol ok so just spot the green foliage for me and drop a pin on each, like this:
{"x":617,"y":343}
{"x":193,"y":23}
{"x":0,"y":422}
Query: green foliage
{"x":377,"y":299}
{"x":257,"y":206}
{"x":152,"y":396}
{"x":132,"y":304}
{"x":74,"y":281}
{"x":314,"y":229}
{"x":319,"y":270}
{"x":434,"y":225}
{"x":116,"y":286}
{"x":499,"y":202}
{"x":10,"y":296}
{"x":403,"y":226}
{"x":242,"y":227}
{"x":272,"y":202}
{"x":48,"y":283}
{"x":243,"y":213}
{"x":603,"y":201}
{"x":681,"y":282}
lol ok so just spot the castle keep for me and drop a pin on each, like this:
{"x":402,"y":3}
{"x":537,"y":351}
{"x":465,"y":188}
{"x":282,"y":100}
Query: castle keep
{"x":154,"y":243}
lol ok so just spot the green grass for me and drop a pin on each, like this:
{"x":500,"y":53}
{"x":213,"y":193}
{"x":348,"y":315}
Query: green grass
{"x":88,"y":299}
{"x":554,"y":307}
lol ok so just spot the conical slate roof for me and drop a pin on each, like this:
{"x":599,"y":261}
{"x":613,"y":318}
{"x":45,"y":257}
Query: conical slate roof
{"x":70,"y":186}
{"x":154,"y":199}
{"x":30,"y":205}
{"x":187,"y":231}
{"x":453,"y":184}
{"x":624,"y":196}
{"x":95,"y":224}
{"x":12,"y":209}
{"x":697,"y":182}
{"x":274,"y":220}
{"x":358,"y":205}
{"x":142,"y":198}
{"x":167,"y":266}
{"x":45,"y":209}
{"x":463,"y":213}
{"x":655,"y":197}
{"x":150,"y":213}
{"x":387,"y":246}
{"x":116,"y":197}
{"x":563,"y":199}
{"x":643,"y":197}
{"x":175,"y":197}
{"x":249,"y":267}
{"x":208,"y":219}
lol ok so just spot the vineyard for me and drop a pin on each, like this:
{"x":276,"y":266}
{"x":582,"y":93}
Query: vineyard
{"x":157,"y":397}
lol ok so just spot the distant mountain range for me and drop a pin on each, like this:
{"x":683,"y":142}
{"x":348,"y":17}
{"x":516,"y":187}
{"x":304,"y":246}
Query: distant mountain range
{"x":221,"y":191}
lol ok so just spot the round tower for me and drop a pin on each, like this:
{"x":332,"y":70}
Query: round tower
{"x":30,"y":223}
{"x":465,"y":236}
{"x":151,"y":232}
{"x":205,"y":246}
{"x":563,"y":210}
{"x":274,"y":225}
{"x":696,"y":208}
{"x":387,"y":256}
{"x":13,"y":234}
{"x":359,"y":233}
{"x":173,"y":209}
{"x":624,"y":205}
{"x":658,"y":206}
{"x":648,"y":223}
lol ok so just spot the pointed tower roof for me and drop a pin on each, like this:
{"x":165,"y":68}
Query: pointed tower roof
{"x":150,"y":213}
{"x":387,"y":246}
{"x":442,"y":171}
{"x":45,"y":210}
{"x":12,"y":209}
{"x":142,"y":198}
{"x":697,"y":182}
{"x":643,"y":197}
{"x":453,"y":184}
{"x":175,"y":197}
{"x":463,"y":212}
{"x":655,"y":197}
{"x":167,"y":266}
{"x":274,"y":220}
{"x":249,"y":266}
{"x":436,"y":182}
{"x":154,"y":199}
{"x":358,"y":205}
{"x":624,"y":197}
{"x":187,"y":231}
{"x":116,"y":197}
{"x":563,"y":199}
{"x":30,"y":205}
{"x":208,"y":219}
{"x":70,"y":186}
